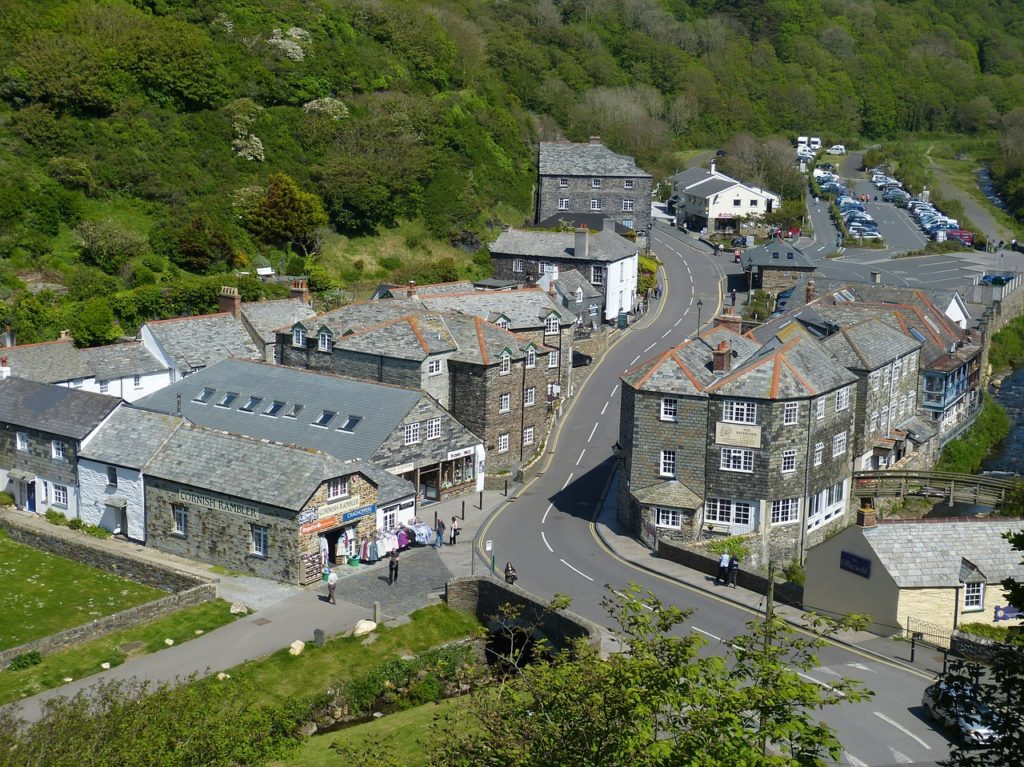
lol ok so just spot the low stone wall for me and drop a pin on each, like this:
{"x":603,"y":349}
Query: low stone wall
{"x":482,"y":596}
{"x":786,"y":593}
{"x":972,"y":647}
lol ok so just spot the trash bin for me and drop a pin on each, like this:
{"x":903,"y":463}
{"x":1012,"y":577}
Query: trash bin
{"x":622,"y":321}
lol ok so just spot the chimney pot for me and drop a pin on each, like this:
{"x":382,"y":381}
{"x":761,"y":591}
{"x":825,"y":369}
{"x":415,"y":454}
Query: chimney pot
{"x":411,"y":290}
{"x":721,"y":359}
{"x":866,"y":515}
{"x":730,"y":320}
{"x":300,"y":290}
{"x":230,"y":301}
{"x":595,"y":139}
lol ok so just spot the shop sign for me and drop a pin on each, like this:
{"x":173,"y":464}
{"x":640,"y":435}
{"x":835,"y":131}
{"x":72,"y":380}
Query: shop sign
{"x":357,"y":513}
{"x":854,"y":564}
{"x":453,"y":454}
{"x":336,"y":508}
{"x":1007,"y":613}
{"x":219,"y":504}
{"x":401,"y":468}
{"x":319,"y":526}
{"x":738,"y":434}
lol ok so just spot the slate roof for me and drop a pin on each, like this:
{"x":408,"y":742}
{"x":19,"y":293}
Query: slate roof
{"x":592,"y":221}
{"x":602,"y":246}
{"x":114,"y":361}
{"x":671,"y":493}
{"x":702,"y":182}
{"x":569,"y":281}
{"x":266,"y":316}
{"x":196,"y":342}
{"x":524,"y":308}
{"x":46,"y":362}
{"x":54,"y":409}
{"x":254,"y":469}
{"x":930,"y":554}
{"x":776,"y":254}
{"x":131,"y":437}
{"x":559,"y":158}
{"x":380,"y":406}
{"x":482,"y":342}
{"x":413,"y":337}
{"x":868,"y":345}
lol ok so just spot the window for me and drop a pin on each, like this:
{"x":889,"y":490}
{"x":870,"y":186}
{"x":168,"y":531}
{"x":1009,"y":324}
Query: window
{"x":563,"y":183}
{"x":517,"y":264}
{"x":552,"y":359}
{"x":60,"y":495}
{"x":529,"y":396}
{"x":737,"y":459}
{"x":505,"y":403}
{"x":251,"y":404}
{"x":885,"y":417}
{"x":669,"y":409}
{"x":821,"y":408}
{"x":785,"y":510}
{"x":228,"y":399}
{"x":325,"y":417}
{"x":57,"y":450}
{"x":506,"y":363}
{"x":104,"y":387}
{"x":627,"y":184}
{"x":974,"y":596}
{"x":274,"y":408}
{"x":835,"y":495}
{"x":433,"y":428}
{"x":323,"y":341}
{"x":627,"y":205}
{"x":551,"y":325}
{"x":204,"y":396}
{"x":595,"y":183}
{"x":180,"y":521}
{"x":737,"y":203}
{"x":753,"y":203}
{"x":873,"y":424}
{"x":563,"y":203}
{"x":294,"y":412}
{"x":628,"y":223}
{"x":896,"y":366}
{"x":528,"y":435}
{"x":739,"y":412}
{"x":389,"y":517}
{"x":260,"y":540}
{"x":593,"y":310}
{"x":597,"y":276}
{"x":531,"y":357}
{"x":819,"y":452}
{"x":137,"y":382}
{"x":350,"y":423}
{"x":668,"y":463}
{"x":337,"y":488}
{"x":843,"y":398}
{"x":788,"y":461}
{"x":298,"y":336}
{"x":873,"y":378}
{"x":433,"y":367}
{"x":112,"y":476}
{"x":668,"y":518}
{"x":77,"y":383}
{"x":725,"y":511}
{"x":791,"y":413}
{"x":22,"y":441}
{"x":412,"y":433}
{"x":503,"y":443}
{"x":839,"y":444}
{"x":595,"y":203}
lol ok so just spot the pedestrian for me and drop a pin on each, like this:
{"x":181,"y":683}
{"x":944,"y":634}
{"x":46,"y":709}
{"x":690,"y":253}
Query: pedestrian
{"x":439,"y":542}
{"x":392,"y":567}
{"x":332,"y":584}
{"x":453,"y":532}
{"x":1013,"y":244}
{"x":734,"y":569}
{"x":510,"y":574}
{"x":723,"y":568}
{"x":733,"y":296}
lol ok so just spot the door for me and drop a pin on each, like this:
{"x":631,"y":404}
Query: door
{"x":31,"y":496}
{"x":124,"y":523}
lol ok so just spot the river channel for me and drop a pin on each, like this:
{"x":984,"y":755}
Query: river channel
{"x":1008,"y":455}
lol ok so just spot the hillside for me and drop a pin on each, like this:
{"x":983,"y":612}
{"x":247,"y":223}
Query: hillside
{"x":150,"y":147}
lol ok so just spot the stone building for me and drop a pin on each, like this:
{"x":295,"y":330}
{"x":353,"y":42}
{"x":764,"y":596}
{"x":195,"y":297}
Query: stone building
{"x":776,"y":265}
{"x":728,"y":435}
{"x":43,"y":429}
{"x":581,"y":179}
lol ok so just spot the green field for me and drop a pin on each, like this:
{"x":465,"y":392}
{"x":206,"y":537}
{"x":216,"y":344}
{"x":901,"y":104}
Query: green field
{"x":43,"y":593}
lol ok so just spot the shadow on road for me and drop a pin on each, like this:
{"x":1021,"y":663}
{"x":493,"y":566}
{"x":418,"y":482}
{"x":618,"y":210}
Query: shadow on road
{"x":580,"y":497}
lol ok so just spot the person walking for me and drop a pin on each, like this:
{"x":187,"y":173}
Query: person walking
{"x":723,"y":568}
{"x":332,"y":584}
{"x":734,"y":569}
{"x":439,"y":542}
{"x":453,"y":531}
{"x":733,"y":296}
{"x":392,"y":567}
{"x":510,"y":574}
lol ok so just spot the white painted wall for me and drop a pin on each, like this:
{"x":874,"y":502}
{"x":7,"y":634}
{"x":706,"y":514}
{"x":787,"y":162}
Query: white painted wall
{"x":154,"y":348}
{"x":45,"y":502}
{"x":620,"y":286}
{"x":124,"y":388}
{"x":93,"y":487}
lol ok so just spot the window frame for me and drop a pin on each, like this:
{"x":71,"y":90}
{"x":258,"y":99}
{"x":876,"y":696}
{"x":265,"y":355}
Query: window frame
{"x":563,"y":203}
{"x":299,"y":337}
{"x":843,"y":398}
{"x":137,"y":382}
{"x":179,"y":521}
{"x":531,"y":357}
{"x":839,"y":444}
{"x":595,"y":183}
{"x":627,"y":184}
{"x":58,"y":491}
{"x":669,"y":409}
{"x":251,"y":404}
{"x":529,"y":396}
{"x":595,"y":203}
{"x":324,"y":341}
{"x":553,"y":359}
{"x":503,"y":443}
{"x":974,"y":602}
{"x":819,"y":453}
{"x":563,"y":183}
{"x":323,"y":421}
{"x":22,"y":442}
{"x":791,"y":414}
{"x":820,"y":408}
{"x":628,"y":205}
{"x":517,"y":265}
{"x":667,"y":464}
{"x":505,"y":364}
{"x":528,"y":436}
{"x":788,"y":461}
{"x":739,"y":411}
{"x":338,"y":487}
{"x":259,"y":536}
{"x":111,"y":476}
{"x":411,"y":433}
{"x":672,"y":520}
{"x":728,"y":462}
{"x":552,"y":326}
{"x":728,"y":511}
{"x":505,"y":402}
{"x":434,"y":367}
{"x":597,"y":275}
{"x":785,"y":511}
{"x":433,"y":428}
{"x":58,"y":450}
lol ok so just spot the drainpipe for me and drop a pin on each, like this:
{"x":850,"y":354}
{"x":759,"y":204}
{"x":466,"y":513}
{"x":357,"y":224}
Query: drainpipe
{"x":956,"y":607}
{"x":807,"y":481}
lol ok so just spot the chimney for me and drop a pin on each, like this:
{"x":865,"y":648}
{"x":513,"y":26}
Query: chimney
{"x":5,"y":371}
{"x":712,"y":167}
{"x":866,"y":514}
{"x":551,"y":289}
{"x":65,"y":335}
{"x":300,"y":290}
{"x":721,"y":359}
{"x":809,"y":292}
{"x":595,"y":139}
{"x":727,"y":319}
{"x":410,"y":292}
{"x":608,"y":225}
{"x":177,"y":404}
{"x":581,"y":245}
{"x":230,"y":301}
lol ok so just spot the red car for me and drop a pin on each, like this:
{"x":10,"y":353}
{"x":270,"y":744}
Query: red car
{"x":967,"y":238}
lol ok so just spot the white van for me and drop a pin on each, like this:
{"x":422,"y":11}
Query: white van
{"x":801,"y":141}
{"x":815,"y":143}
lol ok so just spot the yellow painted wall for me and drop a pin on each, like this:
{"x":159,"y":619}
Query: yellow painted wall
{"x":934,"y":606}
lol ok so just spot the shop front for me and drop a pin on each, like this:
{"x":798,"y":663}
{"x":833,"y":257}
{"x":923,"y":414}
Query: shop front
{"x":460,"y":473}
{"x":329,"y":535}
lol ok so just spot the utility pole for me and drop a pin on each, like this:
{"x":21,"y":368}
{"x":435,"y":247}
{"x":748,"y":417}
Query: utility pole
{"x":769,"y":613}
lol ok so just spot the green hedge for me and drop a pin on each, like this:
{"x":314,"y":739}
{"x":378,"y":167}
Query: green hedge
{"x":966,"y":453}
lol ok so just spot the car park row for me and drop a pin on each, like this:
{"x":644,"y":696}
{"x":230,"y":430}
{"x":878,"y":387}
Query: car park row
{"x":933,"y":223}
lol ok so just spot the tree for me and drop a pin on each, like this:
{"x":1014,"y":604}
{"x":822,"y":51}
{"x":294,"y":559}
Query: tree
{"x":106,"y":245}
{"x":285,"y":215}
{"x":659,"y":701}
{"x":93,"y":324}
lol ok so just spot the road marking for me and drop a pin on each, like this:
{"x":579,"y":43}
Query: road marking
{"x":592,"y":432}
{"x":636,"y":358}
{"x":615,"y":389}
{"x":716,"y":638}
{"x":606,"y":404}
{"x":861,"y":667}
{"x":581,"y":457}
{"x":830,"y":671}
{"x":545,"y":517}
{"x":900,"y":727}
{"x":650,"y":347}
{"x":853,"y":761}
{"x":900,"y":758}
{"x":678,"y":321}
{"x":567,"y":481}
{"x":666,"y":333}
{"x":545,"y":539}
{"x":630,"y":598}
{"x":575,"y":570}
{"x":818,"y":682}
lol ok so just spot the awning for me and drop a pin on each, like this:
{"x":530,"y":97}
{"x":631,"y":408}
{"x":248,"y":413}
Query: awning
{"x":117,"y":502}
{"x":24,"y":476}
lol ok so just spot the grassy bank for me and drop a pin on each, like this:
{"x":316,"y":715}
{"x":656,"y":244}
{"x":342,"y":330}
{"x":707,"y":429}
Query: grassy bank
{"x":1007,"y":347}
{"x":965,"y":454}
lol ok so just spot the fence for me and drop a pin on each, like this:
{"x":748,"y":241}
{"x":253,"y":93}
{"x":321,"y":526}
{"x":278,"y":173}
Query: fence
{"x":930,"y":634}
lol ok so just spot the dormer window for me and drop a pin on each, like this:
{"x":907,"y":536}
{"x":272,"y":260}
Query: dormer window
{"x":531,"y":357}
{"x":506,"y":363}
{"x":502,"y":322}
{"x":551,"y":325}
{"x":323,"y":342}
{"x":298,"y":336}
{"x":325,"y":418}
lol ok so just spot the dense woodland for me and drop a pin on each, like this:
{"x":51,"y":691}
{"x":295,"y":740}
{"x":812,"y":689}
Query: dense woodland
{"x":151,"y":148}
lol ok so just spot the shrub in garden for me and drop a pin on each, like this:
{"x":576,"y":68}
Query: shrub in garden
{"x":25,"y":660}
{"x":55,"y":517}
{"x":76,"y":524}
{"x":6,"y":499}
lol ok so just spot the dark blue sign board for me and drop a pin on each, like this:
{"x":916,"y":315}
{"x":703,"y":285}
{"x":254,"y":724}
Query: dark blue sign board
{"x":1007,"y":613}
{"x":348,"y":516}
{"x":854,"y":564}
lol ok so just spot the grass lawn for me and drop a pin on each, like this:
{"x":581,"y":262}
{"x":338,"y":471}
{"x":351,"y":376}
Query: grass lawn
{"x":85,"y":660}
{"x":282,"y":676}
{"x":43,"y":593}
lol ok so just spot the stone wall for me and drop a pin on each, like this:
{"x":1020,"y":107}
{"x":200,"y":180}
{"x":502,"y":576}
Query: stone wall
{"x":580,"y":192}
{"x":483,"y":596}
{"x":776,"y":279}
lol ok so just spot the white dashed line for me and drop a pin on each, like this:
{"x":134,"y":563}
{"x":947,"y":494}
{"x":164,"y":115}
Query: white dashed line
{"x":581,"y":457}
{"x":901,"y":728}
{"x":716,"y":638}
{"x":818,"y":682}
{"x":666,"y":333}
{"x":545,"y":517}
{"x":592,"y":433}
{"x":575,"y":570}
{"x":635,"y":359}
{"x":567,"y":481}
{"x":852,"y":760}
{"x":615,"y":389}
{"x":606,"y":404}
{"x":650,"y":347}
{"x":678,"y":321}
{"x":544,"y":538}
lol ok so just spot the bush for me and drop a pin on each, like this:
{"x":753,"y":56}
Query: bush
{"x":25,"y":660}
{"x":55,"y":517}
{"x":76,"y":524}
{"x":794,"y":573}
{"x":984,"y":630}
{"x":6,"y":499}
{"x":733,"y":545}
{"x":97,"y":532}
{"x":965,"y":454}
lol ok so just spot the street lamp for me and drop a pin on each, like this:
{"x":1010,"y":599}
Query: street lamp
{"x":700,"y":305}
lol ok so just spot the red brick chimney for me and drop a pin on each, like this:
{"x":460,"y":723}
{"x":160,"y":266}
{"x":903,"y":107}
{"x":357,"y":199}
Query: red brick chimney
{"x":410,"y":292}
{"x":866,"y":514}
{"x":230,"y":301}
{"x":727,"y":319}
{"x":721,"y":359}
{"x":300,"y":290}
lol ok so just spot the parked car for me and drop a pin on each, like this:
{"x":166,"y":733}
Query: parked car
{"x":580,"y":360}
{"x":836,"y":149}
{"x":996,"y":279}
{"x":782,"y":299}
{"x":959,"y":708}
{"x":962,"y":235}
{"x":867,"y":234}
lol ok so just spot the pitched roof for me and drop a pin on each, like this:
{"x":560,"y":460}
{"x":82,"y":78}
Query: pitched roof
{"x":55,"y":409}
{"x":46,"y":362}
{"x":524,"y":308}
{"x":602,"y":246}
{"x":114,"y":361}
{"x":930,"y":553}
{"x":671,"y":493}
{"x":413,"y":337}
{"x":776,"y":254}
{"x":868,"y":345}
{"x":131,"y":437}
{"x":266,"y":316}
{"x":560,"y":158}
{"x":568,"y":282}
{"x":703,"y":182}
{"x":196,"y":342}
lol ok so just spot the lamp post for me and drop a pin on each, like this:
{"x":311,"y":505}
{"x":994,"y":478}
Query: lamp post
{"x":700,"y":305}
{"x":649,"y":237}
